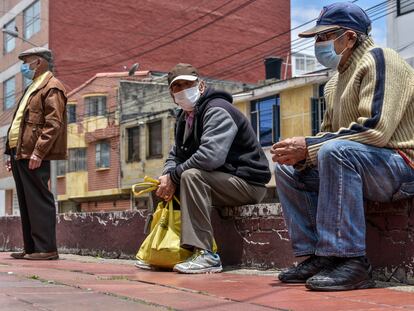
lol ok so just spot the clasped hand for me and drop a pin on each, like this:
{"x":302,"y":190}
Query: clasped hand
{"x":166,"y":188}
{"x":289,"y":151}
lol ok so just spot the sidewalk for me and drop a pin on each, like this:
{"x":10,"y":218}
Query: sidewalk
{"x":87,"y":283}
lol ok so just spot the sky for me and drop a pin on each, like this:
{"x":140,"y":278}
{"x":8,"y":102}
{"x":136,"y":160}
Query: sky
{"x":303,"y":11}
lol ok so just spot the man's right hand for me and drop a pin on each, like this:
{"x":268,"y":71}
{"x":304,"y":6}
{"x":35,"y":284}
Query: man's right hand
{"x":166,"y":189}
{"x":8,"y":165}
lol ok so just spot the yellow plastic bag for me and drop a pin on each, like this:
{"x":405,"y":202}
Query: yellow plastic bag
{"x":161,"y":247}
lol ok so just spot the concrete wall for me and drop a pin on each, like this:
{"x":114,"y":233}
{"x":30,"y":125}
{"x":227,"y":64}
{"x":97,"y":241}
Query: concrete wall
{"x":248,"y":236}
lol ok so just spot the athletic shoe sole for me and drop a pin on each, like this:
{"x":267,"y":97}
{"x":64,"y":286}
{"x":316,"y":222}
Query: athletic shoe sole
{"x":200,"y":271}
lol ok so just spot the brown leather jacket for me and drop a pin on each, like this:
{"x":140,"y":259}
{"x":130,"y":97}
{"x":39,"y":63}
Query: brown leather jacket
{"x":43,"y":130}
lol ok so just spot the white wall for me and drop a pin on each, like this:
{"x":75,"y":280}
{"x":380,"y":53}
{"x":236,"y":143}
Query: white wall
{"x":400,"y":36}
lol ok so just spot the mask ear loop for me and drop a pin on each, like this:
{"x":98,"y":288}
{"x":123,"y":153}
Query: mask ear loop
{"x":340,"y":54}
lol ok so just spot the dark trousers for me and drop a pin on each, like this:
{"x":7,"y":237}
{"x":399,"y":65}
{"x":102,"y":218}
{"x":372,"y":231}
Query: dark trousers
{"x":37,"y":206}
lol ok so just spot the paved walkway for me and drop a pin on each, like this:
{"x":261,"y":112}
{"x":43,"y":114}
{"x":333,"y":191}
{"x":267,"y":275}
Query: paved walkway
{"x":87,"y":283}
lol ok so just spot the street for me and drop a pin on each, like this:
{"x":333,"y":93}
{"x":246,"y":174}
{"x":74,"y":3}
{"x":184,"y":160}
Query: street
{"x":88,"y":283}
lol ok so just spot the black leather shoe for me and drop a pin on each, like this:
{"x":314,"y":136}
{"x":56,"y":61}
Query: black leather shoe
{"x":306,"y":269}
{"x":348,"y":274}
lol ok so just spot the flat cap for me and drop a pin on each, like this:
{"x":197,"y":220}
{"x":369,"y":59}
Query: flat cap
{"x":182,"y":72}
{"x":39,"y":51}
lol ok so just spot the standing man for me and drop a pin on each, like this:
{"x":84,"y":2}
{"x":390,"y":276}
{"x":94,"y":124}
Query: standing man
{"x":216,"y":161}
{"x":37,"y":135}
{"x":365,"y":151}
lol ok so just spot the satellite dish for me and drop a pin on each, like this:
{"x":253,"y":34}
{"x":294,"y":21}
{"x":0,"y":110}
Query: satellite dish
{"x":134,"y":68}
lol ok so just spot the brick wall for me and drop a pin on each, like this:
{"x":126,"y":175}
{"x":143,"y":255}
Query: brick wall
{"x":99,"y":179}
{"x":104,"y":206}
{"x":61,"y":185}
{"x":105,"y":36}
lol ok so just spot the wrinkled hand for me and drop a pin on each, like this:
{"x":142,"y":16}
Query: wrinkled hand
{"x":166,"y":189}
{"x":8,"y":165}
{"x":289,"y":151}
{"x":34,"y":162}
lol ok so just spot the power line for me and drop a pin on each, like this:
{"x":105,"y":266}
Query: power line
{"x":162,"y":35}
{"x":236,"y":67}
{"x":232,"y":11}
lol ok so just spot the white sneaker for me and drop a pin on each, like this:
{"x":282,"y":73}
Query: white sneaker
{"x":201,"y":262}
{"x":143,"y":265}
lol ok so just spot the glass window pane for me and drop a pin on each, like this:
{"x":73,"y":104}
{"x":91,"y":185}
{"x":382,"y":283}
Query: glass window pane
{"x":61,"y":167}
{"x":95,"y":106}
{"x":9,"y":91}
{"x":9,"y":42}
{"x":77,"y":159}
{"x":266,"y":120}
{"x":102,"y":155}
{"x":155,"y":139}
{"x":405,"y":6}
{"x":31,"y":20}
{"x":133,"y":144}
{"x":71,"y":111}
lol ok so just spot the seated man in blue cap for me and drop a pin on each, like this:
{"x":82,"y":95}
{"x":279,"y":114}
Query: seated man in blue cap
{"x":365,"y":151}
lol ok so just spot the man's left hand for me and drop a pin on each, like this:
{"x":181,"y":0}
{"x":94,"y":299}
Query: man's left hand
{"x":289,"y":151}
{"x":34,"y":162}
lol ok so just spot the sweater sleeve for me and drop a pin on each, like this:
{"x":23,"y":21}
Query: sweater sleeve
{"x":383,"y":100}
{"x":219,"y":131}
{"x":170,"y":163}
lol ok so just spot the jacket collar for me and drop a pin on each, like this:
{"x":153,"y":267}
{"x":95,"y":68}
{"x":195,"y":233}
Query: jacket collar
{"x":357,"y":54}
{"x":46,"y":79}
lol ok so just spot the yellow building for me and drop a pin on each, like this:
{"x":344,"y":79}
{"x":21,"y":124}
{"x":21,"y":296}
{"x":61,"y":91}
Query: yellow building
{"x":284,"y":109}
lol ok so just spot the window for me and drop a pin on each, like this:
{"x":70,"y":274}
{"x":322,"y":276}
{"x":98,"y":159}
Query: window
{"x":71,"y":110}
{"x":133,"y":144}
{"x":102,"y":155}
{"x":405,"y":6}
{"x":9,"y":42}
{"x":154,"y":139}
{"x":31,"y":19}
{"x":61,"y":167}
{"x":300,"y":63}
{"x":265,"y":118}
{"x":77,"y":160}
{"x":9,"y":90}
{"x":95,"y":106}
{"x":318,"y":107}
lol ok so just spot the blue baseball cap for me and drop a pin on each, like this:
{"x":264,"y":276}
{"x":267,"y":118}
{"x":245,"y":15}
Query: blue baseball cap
{"x":340,"y":15}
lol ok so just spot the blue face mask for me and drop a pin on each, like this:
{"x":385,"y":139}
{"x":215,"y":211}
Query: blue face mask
{"x":27,"y":72}
{"x":326,"y":55}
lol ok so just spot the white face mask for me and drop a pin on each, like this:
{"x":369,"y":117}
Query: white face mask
{"x":187,"y":98}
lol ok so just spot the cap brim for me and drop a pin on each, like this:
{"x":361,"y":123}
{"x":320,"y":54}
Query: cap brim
{"x":317,"y":29}
{"x":184,"y":77}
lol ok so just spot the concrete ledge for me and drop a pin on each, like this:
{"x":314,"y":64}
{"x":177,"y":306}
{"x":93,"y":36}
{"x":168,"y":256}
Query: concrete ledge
{"x":248,"y":236}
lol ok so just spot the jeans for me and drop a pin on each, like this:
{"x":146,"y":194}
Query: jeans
{"x":324,"y":206}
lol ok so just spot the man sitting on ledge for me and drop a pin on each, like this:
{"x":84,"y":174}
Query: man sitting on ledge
{"x":365,"y":151}
{"x":216,"y":161}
